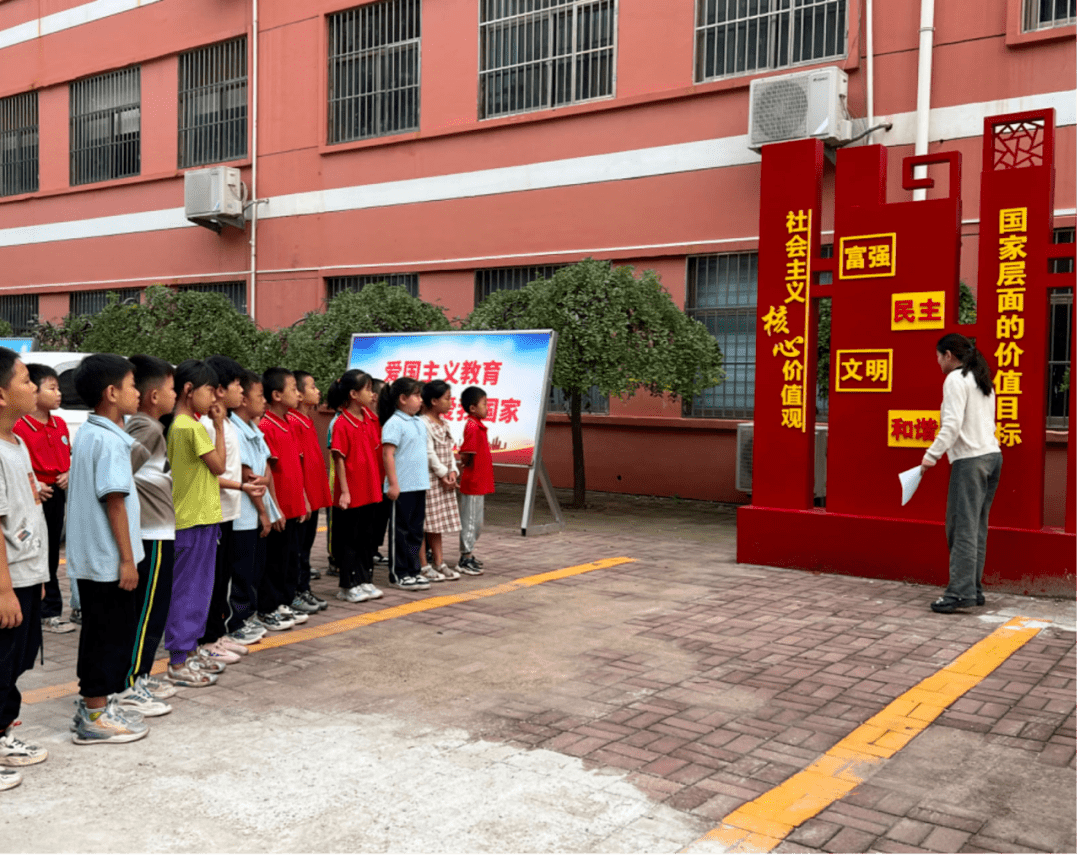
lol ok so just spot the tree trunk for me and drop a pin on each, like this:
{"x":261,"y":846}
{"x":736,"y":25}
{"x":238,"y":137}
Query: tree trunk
{"x":579,"y":449}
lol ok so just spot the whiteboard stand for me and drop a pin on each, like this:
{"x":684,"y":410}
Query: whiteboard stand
{"x":538,"y":472}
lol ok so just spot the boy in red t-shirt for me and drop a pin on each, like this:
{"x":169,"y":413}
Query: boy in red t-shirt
{"x":316,"y":484}
{"x":46,"y":438}
{"x":477,"y":477}
{"x":281,"y":577}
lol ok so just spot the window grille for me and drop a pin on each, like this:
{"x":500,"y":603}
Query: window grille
{"x":235,"y":291}
{"x":514,"y":279}
{"x":1044,"y":14}
{"x":19,"y":144}
{"x":374,"y":70}
{"x":19,"y":310}
{"x":105,"y":123}
{"x":92,"y":302}
{"x":337,"y":284}
{"x":745,"y":36}
{"x":538,"y":54}
{"x":509,"y":279}
{"x":1059,"y":370}
{"x":722,"y":294}
{"x":213,"y":104}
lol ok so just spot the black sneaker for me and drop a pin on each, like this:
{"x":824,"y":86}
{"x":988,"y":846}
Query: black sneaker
{"x":948,"y":604}
{"x":379,"y":558}
{"x":315,"y":574}
{"x":429,"y":555}
{"x":980,"y":600}
{"x":76,"y":617}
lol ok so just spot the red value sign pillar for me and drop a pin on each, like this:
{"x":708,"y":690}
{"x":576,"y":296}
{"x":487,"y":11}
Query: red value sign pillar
{"x":1016,"y":223}
{"x":786,"y":326}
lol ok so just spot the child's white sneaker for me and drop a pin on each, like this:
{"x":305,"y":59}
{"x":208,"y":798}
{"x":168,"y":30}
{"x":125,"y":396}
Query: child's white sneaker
{"x":431,"y":574}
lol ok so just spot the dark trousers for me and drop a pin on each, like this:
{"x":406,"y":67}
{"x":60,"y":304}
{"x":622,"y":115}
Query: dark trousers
{"x":53,"y":603}
{"x":382,"y":526}
{"x":408,"y":534}
{"x":18,"y":646}
{"x":282,"y":572}
{"x":354,"y":532}
{"x":308,"y":530}
{"x":219,"y":595}
{"x":973,"y":482}
{"x":152,"y":596}
{"x":249,"y":560}
{"x":106,"y":639}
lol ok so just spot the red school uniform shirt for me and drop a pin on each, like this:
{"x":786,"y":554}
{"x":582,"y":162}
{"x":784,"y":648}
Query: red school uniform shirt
{"x":48,"y":444}
{"x":478,"y":478}
{"x":285,"y":465}
{"x":316,"y":483}
{"x":352,"y":437}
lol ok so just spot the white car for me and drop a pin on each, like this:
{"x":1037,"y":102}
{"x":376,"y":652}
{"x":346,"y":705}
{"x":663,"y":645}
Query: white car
{"x":72,"y":410}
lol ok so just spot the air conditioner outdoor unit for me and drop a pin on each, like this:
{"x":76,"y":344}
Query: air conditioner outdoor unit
{"x":214,"y":197}
{"x":744,"y":458}
{"x":798,"y":106}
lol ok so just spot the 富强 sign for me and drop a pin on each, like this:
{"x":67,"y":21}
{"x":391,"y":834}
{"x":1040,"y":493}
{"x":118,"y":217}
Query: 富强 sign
{"x":513,"y":368}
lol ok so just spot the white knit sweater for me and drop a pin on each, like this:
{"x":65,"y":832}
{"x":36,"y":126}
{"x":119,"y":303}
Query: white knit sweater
{"x":967,"y":420}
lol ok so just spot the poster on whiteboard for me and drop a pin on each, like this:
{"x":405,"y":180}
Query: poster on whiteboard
{"x":513,"y":368}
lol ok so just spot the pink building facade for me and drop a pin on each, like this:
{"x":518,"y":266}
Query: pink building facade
{"x":460,"y":146}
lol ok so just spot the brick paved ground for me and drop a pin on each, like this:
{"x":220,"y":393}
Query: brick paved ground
{"x":704,"y":683}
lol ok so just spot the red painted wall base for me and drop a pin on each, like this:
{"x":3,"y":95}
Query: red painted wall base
{"x":1018,"y":560}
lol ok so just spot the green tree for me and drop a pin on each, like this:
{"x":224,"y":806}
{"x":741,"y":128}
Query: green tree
{"x":617,"y":331}
{"x":319,"y":342}
{"x":174,"y":325}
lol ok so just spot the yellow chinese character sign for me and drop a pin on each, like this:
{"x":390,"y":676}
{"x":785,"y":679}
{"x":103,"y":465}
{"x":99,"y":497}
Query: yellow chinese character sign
{"x":863,"y":370}
{"x":867,"y":256}
{"x":918,"y":310}
{"x":913,"y":428}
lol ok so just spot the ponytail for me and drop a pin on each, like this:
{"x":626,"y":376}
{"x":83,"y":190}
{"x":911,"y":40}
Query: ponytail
{"x":971,"y":360}
{"x":391,"y":392}
{"x":341,"y":389}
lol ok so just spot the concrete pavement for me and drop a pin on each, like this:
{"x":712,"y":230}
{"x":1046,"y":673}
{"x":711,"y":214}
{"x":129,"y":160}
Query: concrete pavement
{"x":627,"y":708}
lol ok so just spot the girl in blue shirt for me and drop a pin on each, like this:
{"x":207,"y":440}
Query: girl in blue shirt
{"x":404,"y":439}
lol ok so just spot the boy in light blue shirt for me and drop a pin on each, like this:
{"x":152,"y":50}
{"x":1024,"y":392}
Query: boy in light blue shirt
{"x":104,"y":547}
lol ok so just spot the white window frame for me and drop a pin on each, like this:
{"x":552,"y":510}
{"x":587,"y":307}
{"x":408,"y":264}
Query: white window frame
{"x":548,"y":60}
{"x":773,"y":12}
{"x":1031,"y":13}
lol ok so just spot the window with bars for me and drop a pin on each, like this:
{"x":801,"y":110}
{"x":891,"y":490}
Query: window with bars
{"x":1044,"y":14}
{"x":235,"y":291}
{"x":722,"y":294}
{"x":19,"y":310}
{"x":514,"y":279}
{"x":374,"y":68}
{"x":92,"y":302}
{"x":1059,"y":368}
{"x":105,"y":126}
{"x":19,"y":144}
{"x":337,"y":284}
{"x":213,"y":104}
{"x":538,"y":54}
{"x":745,"y":36}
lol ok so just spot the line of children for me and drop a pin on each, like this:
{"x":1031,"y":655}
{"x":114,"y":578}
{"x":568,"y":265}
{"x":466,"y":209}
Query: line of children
{"x":195,"y":537}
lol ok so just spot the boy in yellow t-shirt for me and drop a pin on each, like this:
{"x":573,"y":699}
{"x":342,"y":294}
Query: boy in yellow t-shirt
{"x":195,"y":462}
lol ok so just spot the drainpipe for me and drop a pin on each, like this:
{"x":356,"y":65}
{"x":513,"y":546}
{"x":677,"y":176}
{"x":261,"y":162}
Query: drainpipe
{"x":922,"y":103}
{"x":254,"y":89}
{"x":870,"y":67}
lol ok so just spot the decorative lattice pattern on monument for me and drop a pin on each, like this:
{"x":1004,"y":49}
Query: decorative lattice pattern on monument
{"x":1019,"y":144}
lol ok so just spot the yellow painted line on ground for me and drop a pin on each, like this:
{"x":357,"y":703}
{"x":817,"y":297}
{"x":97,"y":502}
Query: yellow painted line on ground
{"x":760,"y":825}
{"x":411,"y":607}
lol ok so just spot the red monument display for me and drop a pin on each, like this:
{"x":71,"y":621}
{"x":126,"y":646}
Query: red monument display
{"x":895,"y":292}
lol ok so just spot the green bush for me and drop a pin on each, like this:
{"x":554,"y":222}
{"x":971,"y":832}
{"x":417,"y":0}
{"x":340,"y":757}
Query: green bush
{"x":319,"y":342}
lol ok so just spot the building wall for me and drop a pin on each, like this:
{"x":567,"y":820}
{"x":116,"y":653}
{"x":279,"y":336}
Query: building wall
{"x":655,"y":174}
